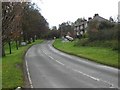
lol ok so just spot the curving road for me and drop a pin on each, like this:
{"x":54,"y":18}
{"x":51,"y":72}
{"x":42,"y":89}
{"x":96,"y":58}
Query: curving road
{"x":50,"y":68}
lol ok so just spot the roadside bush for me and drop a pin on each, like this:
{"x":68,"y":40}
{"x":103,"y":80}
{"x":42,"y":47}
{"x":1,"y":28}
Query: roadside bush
{"x":113,"y":44}
{"x":106,"y":25}
{"x":85,"y":35}
{"x":105,"y":34}
{"x":102,"y":31}
{"x":81,"y":42}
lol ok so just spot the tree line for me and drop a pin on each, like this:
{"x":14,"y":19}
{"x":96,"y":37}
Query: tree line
{"x":62,"y":30}
{"x":21,"y":21}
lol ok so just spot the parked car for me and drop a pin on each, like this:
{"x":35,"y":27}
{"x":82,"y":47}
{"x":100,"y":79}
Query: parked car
{"x":69,"y":38}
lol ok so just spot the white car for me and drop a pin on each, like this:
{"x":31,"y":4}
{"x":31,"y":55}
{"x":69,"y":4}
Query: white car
{"x":23,"y":43}
{"x":69,"y":38}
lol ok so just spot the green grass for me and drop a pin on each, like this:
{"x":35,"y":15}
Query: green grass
{"x":12,"y":66}
{"x":98,"y":54}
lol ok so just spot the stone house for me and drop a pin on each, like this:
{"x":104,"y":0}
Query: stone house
{"x":81,"y":28}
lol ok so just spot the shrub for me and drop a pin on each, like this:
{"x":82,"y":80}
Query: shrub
{"x":106,"y":25}
{"x":102,"y":31}
{"x":81,"y":42}
{"x":113,"y":44}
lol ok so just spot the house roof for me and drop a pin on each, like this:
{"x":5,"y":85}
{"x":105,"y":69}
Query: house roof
{"x":81,"y":23}
{"x":98,"y":18}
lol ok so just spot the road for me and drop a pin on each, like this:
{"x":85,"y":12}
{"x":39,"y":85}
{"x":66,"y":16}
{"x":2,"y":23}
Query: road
{"x":50,"y":68}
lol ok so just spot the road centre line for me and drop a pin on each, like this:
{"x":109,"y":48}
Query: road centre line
{"x":59,"y":62}
{"x":94,"y":78}
{"x":53,"y":58}
{"x":74,"y":69}
{"x":86,"y":75}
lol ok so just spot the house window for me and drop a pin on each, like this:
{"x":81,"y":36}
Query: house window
{"x":77,"y":28}
{"x":86,"y":25}
{"x":81,"y":32}
{"x":81,"y":27}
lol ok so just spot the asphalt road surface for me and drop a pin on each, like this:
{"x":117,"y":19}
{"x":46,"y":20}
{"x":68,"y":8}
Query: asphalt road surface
{"x":50,"y":68}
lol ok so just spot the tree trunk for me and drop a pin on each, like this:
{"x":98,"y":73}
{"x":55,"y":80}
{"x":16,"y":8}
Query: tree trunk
{"x":24,"y":38}
{"x":36,"y":38}
{"x":16,"y":44}
{"x":3,"y":51}
{"x":33,"y":39}
{"x":19,"y":42}
{"x":9,"y":47}
{"x":29,"y":41}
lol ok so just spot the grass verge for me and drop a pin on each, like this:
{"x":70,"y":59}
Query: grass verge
{"x":98,"y":54}
{"x":12,"y":65}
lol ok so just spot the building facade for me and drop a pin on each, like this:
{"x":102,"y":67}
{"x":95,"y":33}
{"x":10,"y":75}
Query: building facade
{"x":81,"y":28}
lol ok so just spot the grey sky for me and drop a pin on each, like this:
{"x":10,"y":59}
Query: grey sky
{"x":58,"y":11}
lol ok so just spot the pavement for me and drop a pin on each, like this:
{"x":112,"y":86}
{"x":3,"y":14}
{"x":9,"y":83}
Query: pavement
{"x":50,"y":68}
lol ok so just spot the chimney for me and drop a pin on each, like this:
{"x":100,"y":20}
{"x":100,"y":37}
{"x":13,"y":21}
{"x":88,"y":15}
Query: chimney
{"x":89,"y":18}
{"x":96,"y":15}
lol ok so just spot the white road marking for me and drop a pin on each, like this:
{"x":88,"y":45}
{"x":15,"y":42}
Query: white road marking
{"x":44,"y":52}
{"x":59,"y":62}
{"x":86,"y":75}
{"x":53,"y":58}
{"x":30,"y":81}
{"x":94,"y":78}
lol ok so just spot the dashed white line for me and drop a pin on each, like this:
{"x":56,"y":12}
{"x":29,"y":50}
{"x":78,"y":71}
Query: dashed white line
{"x":30,"y":81}
{"x":94,"y":78}
{"x":59,"y":62}
{"x":74,"y":69}
{"x":86,"y":75}
{"x":44,"y":52}
{"x":53,"y":58}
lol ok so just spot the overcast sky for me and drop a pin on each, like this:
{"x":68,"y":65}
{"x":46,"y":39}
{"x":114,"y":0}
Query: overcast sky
{"x":58,"y":11}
